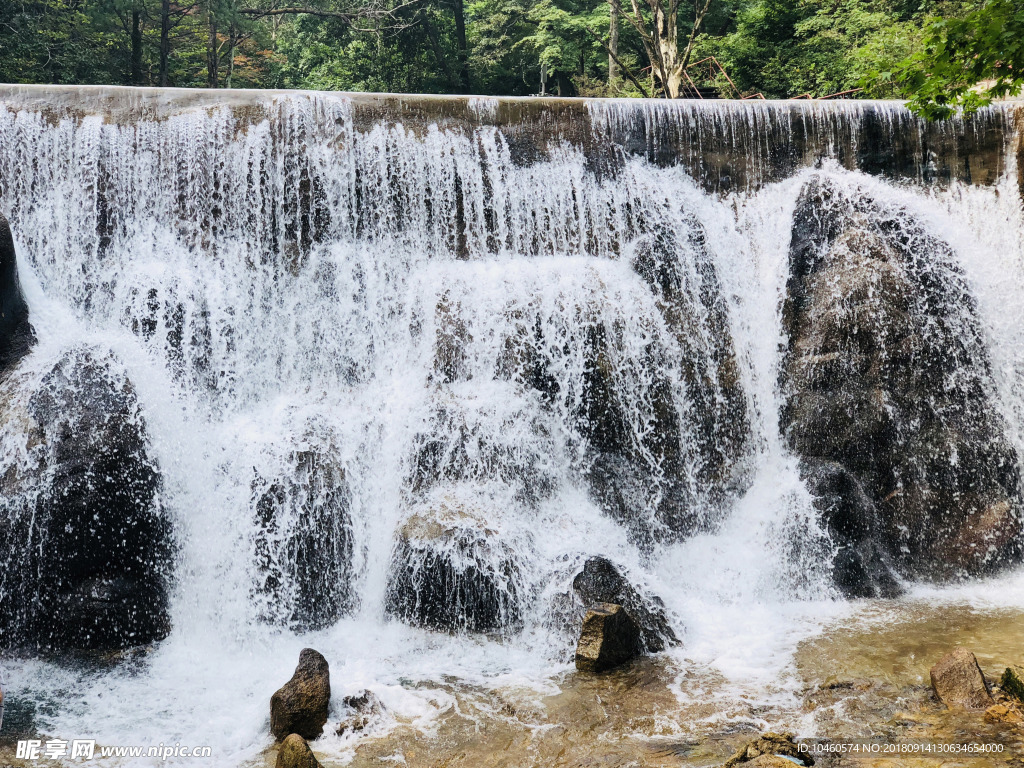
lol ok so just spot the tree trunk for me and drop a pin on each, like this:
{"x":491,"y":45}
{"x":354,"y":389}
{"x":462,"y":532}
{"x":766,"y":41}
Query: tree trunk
{"x":212,"y":55}
{"x":231,"y":55}
{"x":136,"y":67}
{"x":460,"y":38}
{"x":165,"y":40}
{"x":613,"y":43}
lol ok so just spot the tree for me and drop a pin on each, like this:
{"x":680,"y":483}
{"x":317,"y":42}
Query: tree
{"x":661,"y":40}
{"x":965,"y":62}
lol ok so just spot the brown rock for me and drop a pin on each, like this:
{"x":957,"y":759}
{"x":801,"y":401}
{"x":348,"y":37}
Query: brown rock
{"x":300,"y":705}
{"x":959,"y":682}
{"x":767,"y":751}
{"x":609,"y":638}
{"x":295,"y":753}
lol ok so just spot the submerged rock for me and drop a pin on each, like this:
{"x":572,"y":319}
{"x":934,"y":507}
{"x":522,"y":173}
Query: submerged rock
{"x":600,"y":581}
{"x":767,"y":749}
{"x":304,"y":542}
{"x":886,"y":398}
{"x":451,"y":571}
{"x":89,"y":546}
{"x":16,"y":334}
{"x":294,"y":752}
{"x":609,"y":638}
{"x":959,"y":682}
{"x":300,"y":705}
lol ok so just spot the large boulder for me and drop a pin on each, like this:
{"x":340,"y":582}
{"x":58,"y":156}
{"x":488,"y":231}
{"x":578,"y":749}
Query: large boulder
{"x":886,"y":398}
{"x":452,"y":570}
{"x":304,"y":540}
{"x":88,"y":544}
{"x":959,"y":682}
{"x":300,"y":705}
{"x":609,"y":638}
{"x":16,"y":334}
{"x":601,"y":581}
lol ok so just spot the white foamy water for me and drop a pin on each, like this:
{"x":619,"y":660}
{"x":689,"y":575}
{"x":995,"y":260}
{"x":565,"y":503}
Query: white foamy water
{"x":265,"y":280}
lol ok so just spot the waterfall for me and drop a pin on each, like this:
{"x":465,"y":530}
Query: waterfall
{"x":386,"y":343}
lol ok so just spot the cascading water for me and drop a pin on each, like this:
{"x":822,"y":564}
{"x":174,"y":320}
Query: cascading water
{"x":405,"y":364}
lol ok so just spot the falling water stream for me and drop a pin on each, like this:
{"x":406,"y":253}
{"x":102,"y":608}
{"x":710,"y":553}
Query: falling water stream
{"x":296,"y":276}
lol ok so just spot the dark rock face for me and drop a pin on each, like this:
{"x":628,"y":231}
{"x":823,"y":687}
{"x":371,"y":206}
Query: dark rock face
{"x":304,"y":542}
{"x":16,"y":334}
{"x":300,"y":705}
{"x":886,"y":385}
{"x":89,"y":545}
{"x":451,"y":572}
{"x":457,"y":448}
{"x":959,"y":683}
{"x":600,"y":581}
{"x":704,"y":441}
{"x":609,"y":638}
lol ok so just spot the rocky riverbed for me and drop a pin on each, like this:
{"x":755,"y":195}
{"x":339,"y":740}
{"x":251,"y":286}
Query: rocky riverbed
{"x":863,"y":680}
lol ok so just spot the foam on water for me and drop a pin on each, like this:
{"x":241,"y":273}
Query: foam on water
{"x":263,"y":280}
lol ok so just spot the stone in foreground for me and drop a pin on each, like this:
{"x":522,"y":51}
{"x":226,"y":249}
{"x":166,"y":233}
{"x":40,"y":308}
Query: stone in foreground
{"x":1012,"y":682}
{"x":609,"y":639}
{"x":300,"y":705}
{"x":959,"y":682}
{"x":601,"y":581}
{"x":769,"y":750}
{"x":295,"y":753}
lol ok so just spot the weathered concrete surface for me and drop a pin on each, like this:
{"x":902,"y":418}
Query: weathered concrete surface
{"x":723,"y":144}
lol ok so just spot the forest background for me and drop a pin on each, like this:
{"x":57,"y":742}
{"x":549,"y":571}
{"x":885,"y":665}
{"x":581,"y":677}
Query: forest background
{"x":669,"y":48}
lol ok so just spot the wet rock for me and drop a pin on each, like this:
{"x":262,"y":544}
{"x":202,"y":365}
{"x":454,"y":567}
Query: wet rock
{"x":89,"y":546}
{"x":451,"y":571}
{"x":862,"y":567}
{"x":959,"y":682}
{"x":609,"y":638}
{"x":451,"y":342}
{"x":768,"y":748}
{"x":295,"y":753}
{"x":657,"y":416}
{"x":304,"y":542}
{"x":300,"y":705}
{"x":365,"y":708}
{"x":503,"y":441}
{"x":600,"y":581}
{"x":16,"y":334}
{"x":886,"y":387}
{"x":1012,"y":683}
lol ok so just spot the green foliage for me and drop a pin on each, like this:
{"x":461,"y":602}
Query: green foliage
{"x":965,"y":62}
{"x":935,"y":51}
{"x":785,"y":48}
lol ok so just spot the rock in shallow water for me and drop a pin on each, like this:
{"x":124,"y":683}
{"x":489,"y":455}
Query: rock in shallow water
{"x":295,"y":753}
{"x":609,"y":638}
{"x":300,"y":705}
{"x":886,"y":389}
{"x":88,"y":543}
{"x":959,"y":683}
{"x":768,"y":751}
{"x":601,"y":581}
